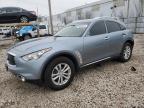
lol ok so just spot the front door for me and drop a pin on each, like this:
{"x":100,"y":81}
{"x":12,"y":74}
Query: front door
{"x":96,"y":43}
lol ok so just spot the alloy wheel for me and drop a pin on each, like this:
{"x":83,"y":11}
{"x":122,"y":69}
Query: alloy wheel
{"x":127,"y":52}
{"x":24,"y":19}
{"x":61,"y":74}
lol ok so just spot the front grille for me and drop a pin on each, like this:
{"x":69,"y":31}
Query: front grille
{"x":11,"y":59}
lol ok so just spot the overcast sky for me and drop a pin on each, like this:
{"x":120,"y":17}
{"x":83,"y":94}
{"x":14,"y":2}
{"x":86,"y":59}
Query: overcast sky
{"x":58,"y":6}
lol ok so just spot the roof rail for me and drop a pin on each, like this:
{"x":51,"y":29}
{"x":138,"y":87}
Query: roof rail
{"x":114,"y":18}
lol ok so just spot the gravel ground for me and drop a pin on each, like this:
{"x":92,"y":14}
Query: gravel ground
{"x":111,"y":84}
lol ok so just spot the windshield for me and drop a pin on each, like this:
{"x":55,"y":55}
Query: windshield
{"x":27,"y":28}
{"x":73,"y":30}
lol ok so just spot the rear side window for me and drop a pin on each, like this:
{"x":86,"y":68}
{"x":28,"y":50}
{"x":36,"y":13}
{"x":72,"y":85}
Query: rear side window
{"x":10,"y":10}
{"x":42,"y":27}
{"x":98,"y":28}
{"x":112,"y":26}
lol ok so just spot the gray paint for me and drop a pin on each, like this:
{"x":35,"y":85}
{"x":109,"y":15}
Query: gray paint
{"x":85,"y":49}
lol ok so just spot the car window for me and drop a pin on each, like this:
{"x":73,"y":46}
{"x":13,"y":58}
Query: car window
{"x":98,"y":28}
{"x":73,"y":30}
{"x":2,"y":11}
{"x":122,"y":27}
{"x":112,"y":26}
{"x":10,"y":10}
{"x":42,"y":27}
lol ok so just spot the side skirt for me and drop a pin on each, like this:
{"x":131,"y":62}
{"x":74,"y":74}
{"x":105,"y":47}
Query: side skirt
{"x":95,"y":62}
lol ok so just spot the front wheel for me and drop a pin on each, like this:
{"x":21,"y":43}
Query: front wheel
{"x":26,"y":37}
{"x":59,"y":74}
{"x":126,"y":52}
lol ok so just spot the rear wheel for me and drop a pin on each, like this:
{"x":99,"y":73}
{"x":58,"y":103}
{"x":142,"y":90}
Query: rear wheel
{"x":59,"y":74}
{"x":24,"y":19}
{"x":126,"y":52}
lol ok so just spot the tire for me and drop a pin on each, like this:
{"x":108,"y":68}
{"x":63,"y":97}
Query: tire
{"x":26,"y":37}
{"x":56,"y":82}
{"x":21,"y":39}
{"x":126,"y":52}
{"x":24,"y":19}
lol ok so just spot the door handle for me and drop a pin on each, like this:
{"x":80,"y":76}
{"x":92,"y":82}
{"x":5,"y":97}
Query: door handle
{"x":106,"y":38}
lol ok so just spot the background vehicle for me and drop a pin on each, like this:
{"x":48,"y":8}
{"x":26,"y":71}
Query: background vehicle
{"x":5,"y":30}
{"x":56,"y":59}
{"x":30,"y":31}
{"x":1,"y":33}
{"x":11,"y":32}
{"x":16,"y":15}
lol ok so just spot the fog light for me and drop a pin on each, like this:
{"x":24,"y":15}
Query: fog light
{"x":23,"y":79}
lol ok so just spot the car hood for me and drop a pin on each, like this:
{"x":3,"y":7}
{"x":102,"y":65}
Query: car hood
{"x":40,"y":43}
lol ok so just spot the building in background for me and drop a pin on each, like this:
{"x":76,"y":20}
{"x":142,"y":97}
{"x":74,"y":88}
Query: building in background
{"x":129,"y":11}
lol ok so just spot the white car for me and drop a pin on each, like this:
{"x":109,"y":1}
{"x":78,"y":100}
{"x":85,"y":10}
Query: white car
{"x":43,"y":30}
{"x":5,"y":30}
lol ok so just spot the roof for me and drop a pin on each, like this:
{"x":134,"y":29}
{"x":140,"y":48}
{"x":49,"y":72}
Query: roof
{"x":10,"y":7}
{"x":98,"y":18}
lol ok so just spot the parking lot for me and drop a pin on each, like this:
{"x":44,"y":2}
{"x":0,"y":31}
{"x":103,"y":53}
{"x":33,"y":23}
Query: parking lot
{"x":111,"y":84}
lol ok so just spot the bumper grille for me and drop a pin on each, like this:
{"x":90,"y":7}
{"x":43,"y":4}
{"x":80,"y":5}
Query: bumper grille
{"x":11,"y":59}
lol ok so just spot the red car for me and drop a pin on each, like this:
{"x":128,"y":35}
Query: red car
{"x":16,"y":15}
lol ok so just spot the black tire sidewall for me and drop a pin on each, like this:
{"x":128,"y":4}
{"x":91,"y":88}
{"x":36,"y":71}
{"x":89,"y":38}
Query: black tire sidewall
{"x":48,"y":72}
{"x":27,"y":36}
{"x":122,"y":59}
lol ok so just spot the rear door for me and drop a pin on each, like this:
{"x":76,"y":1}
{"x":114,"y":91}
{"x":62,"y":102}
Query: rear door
{"x":12,"y":14}
{"x":115,"y":36}
{"x":96,"y":43}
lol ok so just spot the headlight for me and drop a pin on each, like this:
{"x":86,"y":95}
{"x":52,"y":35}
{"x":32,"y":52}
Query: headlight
{"x":36,"y":55}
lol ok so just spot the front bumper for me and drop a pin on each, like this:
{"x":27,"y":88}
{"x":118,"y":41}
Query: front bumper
{"x":30,"y":70}
{"x":27,"y":73}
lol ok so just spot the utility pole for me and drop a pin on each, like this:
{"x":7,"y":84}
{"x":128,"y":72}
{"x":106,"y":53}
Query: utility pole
{"x":50,"y":17}
{"x":128,"y":6}
{"x":38,"y":34}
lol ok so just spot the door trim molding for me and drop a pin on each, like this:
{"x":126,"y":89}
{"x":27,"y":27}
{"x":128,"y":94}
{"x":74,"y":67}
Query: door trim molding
{"x":96,"y":61}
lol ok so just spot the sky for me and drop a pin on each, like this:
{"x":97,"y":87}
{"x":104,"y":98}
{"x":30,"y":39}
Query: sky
{"x":58,"y":6}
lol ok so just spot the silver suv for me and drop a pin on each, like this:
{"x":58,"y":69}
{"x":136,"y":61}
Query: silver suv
{"x":55,"y":59}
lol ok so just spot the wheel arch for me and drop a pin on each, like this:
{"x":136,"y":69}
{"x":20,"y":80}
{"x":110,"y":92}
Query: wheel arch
{"x":130,"y":41}
{"x":62,"y":54}
{"x":27,"y":34}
